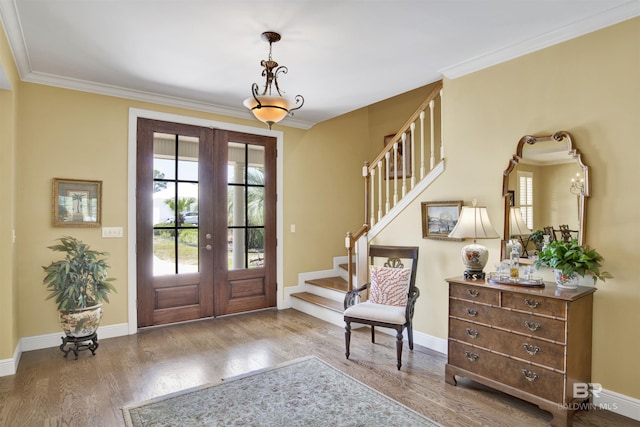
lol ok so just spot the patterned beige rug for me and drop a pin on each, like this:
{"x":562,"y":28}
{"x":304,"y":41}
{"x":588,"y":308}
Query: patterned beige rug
{"x":303,"y":392}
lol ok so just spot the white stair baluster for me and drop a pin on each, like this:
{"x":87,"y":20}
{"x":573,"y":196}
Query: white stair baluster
{"x":422,"y":153}
{"x":395,"y":173}
{"x":432,"y":161}
{"x":387,"y":156}
{"x":379,"y":190}
{"x":413,"y":155}
{"x":441,"y":127}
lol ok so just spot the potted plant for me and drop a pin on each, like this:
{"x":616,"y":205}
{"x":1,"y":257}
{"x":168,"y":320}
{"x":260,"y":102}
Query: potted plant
{"x":537,"y":237}
{"x":79,"y":284}
{"x":569,"y":259}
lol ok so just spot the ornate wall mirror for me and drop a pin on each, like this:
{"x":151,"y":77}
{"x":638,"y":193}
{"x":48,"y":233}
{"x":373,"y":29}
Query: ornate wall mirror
{"x":544,"y":187}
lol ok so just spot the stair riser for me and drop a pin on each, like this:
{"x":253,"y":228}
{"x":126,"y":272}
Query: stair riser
{"x":324,"y":292}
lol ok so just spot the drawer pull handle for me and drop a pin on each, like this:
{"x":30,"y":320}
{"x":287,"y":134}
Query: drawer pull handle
{"x":471,"y":356}
{"x":471,"y":312}
{"x":530,"y":376}
{"x":531,"y":303}
{"x":473,"y":292}
{"x":531,"y":349}
{"x":532,"y":326}
{"x":472,"y":333}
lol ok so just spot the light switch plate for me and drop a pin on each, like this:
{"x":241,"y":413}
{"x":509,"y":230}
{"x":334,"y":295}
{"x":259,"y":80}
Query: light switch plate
{"x":111,"y":232}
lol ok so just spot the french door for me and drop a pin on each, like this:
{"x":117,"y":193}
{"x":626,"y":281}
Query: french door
{"x":206,"y":222}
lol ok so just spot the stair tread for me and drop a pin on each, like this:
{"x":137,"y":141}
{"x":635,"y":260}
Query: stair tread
{"x":344,"y":266}
{"x":321,"y":301}
{"x":335,"y":283}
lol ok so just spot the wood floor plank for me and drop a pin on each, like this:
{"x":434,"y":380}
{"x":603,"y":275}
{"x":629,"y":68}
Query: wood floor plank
{"x":49,"y":390}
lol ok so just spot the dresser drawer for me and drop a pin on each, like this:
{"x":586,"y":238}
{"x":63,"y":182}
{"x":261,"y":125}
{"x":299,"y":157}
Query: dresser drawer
{"x":474,"y":293}
{"x":536,"y":326}
{"x":534,"y":304}
{"x":514,"y":345}
{"x":524,"y":376}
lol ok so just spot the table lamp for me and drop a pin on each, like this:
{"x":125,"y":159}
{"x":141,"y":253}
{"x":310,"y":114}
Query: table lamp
{"x":474,"y":224}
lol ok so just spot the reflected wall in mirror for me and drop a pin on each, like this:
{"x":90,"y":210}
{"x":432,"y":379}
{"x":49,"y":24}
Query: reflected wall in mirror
{"x":544,"y":187}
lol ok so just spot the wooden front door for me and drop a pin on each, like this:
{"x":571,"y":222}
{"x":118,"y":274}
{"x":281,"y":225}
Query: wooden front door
{"x":205,"y":222}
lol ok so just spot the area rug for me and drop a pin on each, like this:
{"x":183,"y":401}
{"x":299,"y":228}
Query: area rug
{"x":303,"y":392}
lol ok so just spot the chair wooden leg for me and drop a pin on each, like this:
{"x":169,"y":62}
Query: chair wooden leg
{"x":347,"y":338}
{"x":373,"y":334}
{"x":399,"y":339}
{"x":410,"y":335}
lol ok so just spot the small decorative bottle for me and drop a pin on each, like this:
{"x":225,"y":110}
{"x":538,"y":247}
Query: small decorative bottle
{"x":514,"y":263}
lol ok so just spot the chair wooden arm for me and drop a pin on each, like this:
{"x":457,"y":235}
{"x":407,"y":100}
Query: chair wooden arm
{"x":411,"y":302}
{"x":351,"y":296}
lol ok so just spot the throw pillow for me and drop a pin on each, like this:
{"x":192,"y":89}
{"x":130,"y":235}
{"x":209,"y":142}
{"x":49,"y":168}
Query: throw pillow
{"x":389,"y":286}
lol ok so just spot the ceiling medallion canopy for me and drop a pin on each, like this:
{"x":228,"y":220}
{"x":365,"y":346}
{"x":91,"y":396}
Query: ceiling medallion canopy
{"x":267,"y":107}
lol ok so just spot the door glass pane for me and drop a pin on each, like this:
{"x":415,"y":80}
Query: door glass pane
{"x":237,"y":162}
{"x":255,"y":245}
{"x":255,"y":206}
{"x":245,"y":210}
{"x":175,"y":204}
{"x":235,"y":205}
{"x":164,"y":252}
{"x":188,"y":251}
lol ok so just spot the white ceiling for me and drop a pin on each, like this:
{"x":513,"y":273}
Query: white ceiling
{"x":341,"y":54}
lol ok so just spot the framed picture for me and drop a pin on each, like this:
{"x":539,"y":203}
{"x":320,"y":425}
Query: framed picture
{"x":76,"y":203}
{"x":512,"y":197}
{"x":401,"y":157}
{"x":439,"y":218}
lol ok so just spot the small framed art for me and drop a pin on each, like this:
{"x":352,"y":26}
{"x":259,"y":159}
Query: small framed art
{"x":439,"y":218}
{"x":401,"y":158}
{"x":76,"y":203}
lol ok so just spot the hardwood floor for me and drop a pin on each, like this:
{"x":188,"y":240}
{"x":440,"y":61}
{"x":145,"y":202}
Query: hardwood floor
{"x":49,"y":390}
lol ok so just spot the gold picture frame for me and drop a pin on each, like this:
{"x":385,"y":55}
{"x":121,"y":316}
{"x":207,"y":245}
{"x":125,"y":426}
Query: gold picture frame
{"x":392,"y":168}
{"x":439,"y":218}
{"x":77,"y":203}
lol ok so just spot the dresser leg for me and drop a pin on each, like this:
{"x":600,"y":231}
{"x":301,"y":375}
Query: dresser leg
{"x":561,"y":417}
{"x":450,"y":376}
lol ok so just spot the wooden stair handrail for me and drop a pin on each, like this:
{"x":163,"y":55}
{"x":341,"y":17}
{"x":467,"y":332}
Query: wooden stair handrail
{"x":398,"y":136}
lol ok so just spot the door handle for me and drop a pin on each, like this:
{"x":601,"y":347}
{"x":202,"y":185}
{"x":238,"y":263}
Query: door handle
{"x":208,"y":247}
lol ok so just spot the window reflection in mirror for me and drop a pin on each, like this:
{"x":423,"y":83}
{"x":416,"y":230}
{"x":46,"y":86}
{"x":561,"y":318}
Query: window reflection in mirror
{"x":549,"y":184}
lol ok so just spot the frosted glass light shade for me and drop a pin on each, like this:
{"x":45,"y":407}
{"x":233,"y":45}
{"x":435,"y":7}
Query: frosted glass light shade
{"x":270,"y":110}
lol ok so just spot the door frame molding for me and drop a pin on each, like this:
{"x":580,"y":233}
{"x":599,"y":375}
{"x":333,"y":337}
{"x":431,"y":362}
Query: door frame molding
{"x":134,"y":114}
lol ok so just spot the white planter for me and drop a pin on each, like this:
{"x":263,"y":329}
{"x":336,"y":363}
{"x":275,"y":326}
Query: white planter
{"x":81,"y":323}
{"x":566,"y":281}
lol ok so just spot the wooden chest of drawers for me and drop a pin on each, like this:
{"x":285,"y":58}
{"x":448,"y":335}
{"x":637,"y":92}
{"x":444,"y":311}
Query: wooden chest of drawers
{"x":532,"y":343}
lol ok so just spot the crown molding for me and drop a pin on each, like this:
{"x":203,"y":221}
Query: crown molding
{"x":584,"y":26}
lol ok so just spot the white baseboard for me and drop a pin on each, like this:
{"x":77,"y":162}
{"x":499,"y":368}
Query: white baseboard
{"x":10,"y":366}
{"x":618,"y":403}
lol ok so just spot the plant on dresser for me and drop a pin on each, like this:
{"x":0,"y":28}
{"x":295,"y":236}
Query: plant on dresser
{"x":532,"y":343}
{"x":569,"y":259}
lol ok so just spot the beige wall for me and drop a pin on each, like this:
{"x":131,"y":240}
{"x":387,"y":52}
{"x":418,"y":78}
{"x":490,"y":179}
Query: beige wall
{"x":590,"y":87}
{"x":8,"y":259}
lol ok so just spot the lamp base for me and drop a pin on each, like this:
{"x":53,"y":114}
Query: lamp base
{"x":474,"y":275}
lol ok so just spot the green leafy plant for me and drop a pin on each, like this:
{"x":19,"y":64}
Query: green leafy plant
{"x":537,"y":237}
{"x":80,"y":279}
{"x":571,"y":257}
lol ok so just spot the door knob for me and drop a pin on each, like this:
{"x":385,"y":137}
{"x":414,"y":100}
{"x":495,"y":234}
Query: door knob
{"x":208,"y":247}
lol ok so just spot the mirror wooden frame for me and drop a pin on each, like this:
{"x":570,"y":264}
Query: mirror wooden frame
{"x":574,"y":153}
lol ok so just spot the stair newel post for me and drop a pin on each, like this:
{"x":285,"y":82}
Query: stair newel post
{"x":348,"y":242}
{"x":422,"y":153}
{"x":395,"y":173}
{"x":404,"y":164}
{"x":413,"y":154}
{"x":367,"y":195}
{"x":386,"y":156}
{"x":432,"y":161}
{"x":441,"y":125}
{"x":379,"y":190}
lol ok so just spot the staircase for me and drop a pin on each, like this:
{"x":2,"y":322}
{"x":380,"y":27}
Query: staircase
{"x":388,"y":191}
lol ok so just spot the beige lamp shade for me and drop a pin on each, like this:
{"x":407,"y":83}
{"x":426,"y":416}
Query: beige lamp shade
{"x":270,"y":110}
{"x":474,"y":224}
{"x":517,"y":226}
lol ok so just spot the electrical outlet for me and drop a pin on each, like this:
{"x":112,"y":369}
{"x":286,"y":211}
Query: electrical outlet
{"x":111,"y":232}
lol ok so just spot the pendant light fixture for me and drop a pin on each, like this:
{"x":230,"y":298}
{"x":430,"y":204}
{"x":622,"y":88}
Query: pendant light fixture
{"x":267,"y":107}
